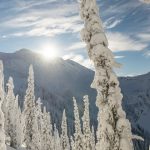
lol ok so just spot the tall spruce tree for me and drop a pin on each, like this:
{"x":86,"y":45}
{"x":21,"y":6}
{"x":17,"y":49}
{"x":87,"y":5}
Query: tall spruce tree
{"x":114,"y":130}
{"x":31,"y":133}
{"x":46,"y":131}
{"x":2,"y":119}
{"x":93,"y":146}
{"x":87,"y":142}
{"x":39,"y":113}
{"x":18,"y":124}
{"x":78,"y":136}
{"x":72,"y":143}
{"x":56,"y":140}
{"x":64,"y":133}
{"x":10,"y":114}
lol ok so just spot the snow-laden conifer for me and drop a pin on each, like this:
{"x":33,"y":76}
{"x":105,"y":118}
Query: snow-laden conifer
{"x":39,"y":113}
{"x":36,"y":142}
{"x":72,"y":143}
{"x":46,"y":132}
{"x":114,"y":130}
{"x":18,"y":124}
{"x":2,"y":120}
{"x":31,"y":133}
{"x":64,"y":133}
{"x":56,"y":140}
{"x":16,"y":135}
{"x":78,"y":136}
{"x":10,"y":114}
{"x":87,"y":143}
{"x":92,"y":139}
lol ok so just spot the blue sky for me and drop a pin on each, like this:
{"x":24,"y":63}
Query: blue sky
{"x":32,"y":24}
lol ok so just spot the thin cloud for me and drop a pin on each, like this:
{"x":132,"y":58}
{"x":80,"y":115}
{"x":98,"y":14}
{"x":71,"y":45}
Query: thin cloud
{"x":147,"y":54}
{"x":145,"y":1}
{"x":79,"y":59}
{"x":121,"y":42}
{"x":32,"y":3}
{"x":119,"y":57}
{"x":77,"y":46}
{"x":112,"y":23}
{"x":144,"y":37}
{"x":118,"y":42}
{"x":50,"y":26}
{"x":35,"y":22}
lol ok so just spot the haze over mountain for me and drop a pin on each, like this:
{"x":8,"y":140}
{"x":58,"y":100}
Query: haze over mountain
{"x":57,"y":81}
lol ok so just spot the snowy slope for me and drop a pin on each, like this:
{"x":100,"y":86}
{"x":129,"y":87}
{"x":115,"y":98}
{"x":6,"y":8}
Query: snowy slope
{"x":58,"y":81}
{"x":136,"y":102}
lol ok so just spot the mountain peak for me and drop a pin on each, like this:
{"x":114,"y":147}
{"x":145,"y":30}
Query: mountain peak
{"x":23,"y":51}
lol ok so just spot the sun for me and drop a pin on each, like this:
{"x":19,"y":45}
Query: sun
{"x":49,"y":54}
{"x":49,"y":51}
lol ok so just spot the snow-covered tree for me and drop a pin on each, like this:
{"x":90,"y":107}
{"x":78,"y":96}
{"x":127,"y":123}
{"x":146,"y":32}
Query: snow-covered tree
{"x":72,"y":143}
{"x":18,"y":124}
{"x":93,"y":146}
{"x":10,"y":114}
{"x":46,"y":132}
{"x":35,"y":143}
{"x":78,"y":133}
{"x":56,"y":140}
{"x":22,"y":121}
{"x":114,"y":130}
{"x":32,"y":136}
{"x":87,"y":143}
{"x":64,"y":133}
{"x":39,"y":114}
{"x":2,"y":119}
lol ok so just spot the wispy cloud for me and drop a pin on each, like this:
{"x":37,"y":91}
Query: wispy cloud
{"x":45,"y":22}
{"x":145,"y":1}
{"x":77,"y":46}
{"x":31,"y":4}
{"x":79,"y":59}
{"x":122,"y":42}
{"x":51,"y":26}
{"x":119,"y":57}
{"x":111,"y":23}
{"x":147,"y":54}
{"x":144,"y":37}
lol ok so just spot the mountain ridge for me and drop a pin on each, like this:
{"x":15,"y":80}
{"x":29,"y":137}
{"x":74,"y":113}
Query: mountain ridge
{"x":56,"y":82}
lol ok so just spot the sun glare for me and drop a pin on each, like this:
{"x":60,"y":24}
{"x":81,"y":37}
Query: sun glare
{"x":49,"y":52}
